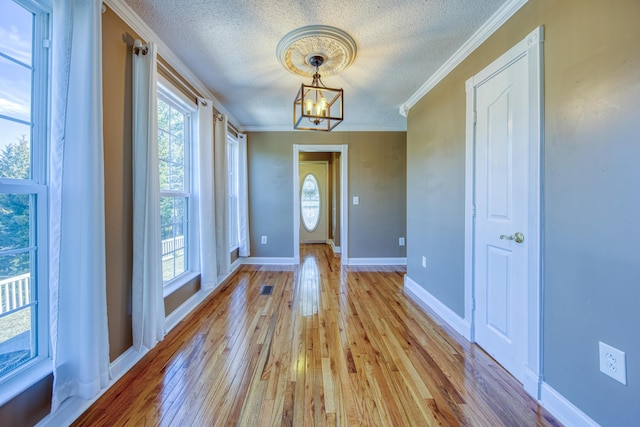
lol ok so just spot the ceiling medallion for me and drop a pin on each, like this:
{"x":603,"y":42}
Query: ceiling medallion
{"x":336,"y":47}
{"x":303,"y":51}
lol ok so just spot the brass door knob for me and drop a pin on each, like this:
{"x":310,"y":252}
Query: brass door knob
{"x":518,"y":237}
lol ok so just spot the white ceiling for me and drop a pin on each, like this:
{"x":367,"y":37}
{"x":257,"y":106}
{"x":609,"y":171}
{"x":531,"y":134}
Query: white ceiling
{"x":231,"y":47}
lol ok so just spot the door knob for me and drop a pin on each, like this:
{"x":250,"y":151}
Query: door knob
{"x":518,"y":237}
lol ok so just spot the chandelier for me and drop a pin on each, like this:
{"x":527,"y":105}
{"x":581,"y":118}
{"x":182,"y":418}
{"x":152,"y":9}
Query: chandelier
{"x":302,"y":52}
{"x":316,"y":106}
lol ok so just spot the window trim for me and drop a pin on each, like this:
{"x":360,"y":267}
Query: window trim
{"x":39,"y":366}
{"x":36,"y":185}
{"x":173,"y":95}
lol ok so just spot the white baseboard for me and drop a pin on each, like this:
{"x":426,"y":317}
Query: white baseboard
{"x":185,"y":308}
{"x":125,"y":361}
{"x":561,"y":408}
{"x":73,"y":407}
{"x":235,"y":265}
{"x":554,"y":402}
{"x":566,"y":412}
{"x":532,"y":382}
{"x":376,"y":261}
{"x":269,"y":261}
{"x":423,"y":297}
{"x":67,"y":413}
{"x":232,"y":269}
{"x":336,"y":249}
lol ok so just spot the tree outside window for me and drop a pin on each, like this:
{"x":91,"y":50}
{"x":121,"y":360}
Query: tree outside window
{"x":173,"y":156}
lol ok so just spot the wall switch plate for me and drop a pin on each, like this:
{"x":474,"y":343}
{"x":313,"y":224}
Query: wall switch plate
{"x":613,"y":362}
{"x":264,"y":240}
{"x":401,"y":241}
{"x":424,"y":262}
{"x":356,"y":200}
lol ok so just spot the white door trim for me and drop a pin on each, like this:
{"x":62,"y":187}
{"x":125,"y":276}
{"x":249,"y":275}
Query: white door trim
{"x":531,"y":47}
{"x":344,"y":197}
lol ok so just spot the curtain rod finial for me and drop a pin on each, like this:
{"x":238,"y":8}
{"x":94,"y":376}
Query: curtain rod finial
{"x":139,"y":48}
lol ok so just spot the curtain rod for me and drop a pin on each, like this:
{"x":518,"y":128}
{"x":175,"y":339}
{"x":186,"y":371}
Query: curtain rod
{"x":230,"y":126}
{"x":185,"y":86}
{"x":233,"y":128}
{"x":178,"y":79}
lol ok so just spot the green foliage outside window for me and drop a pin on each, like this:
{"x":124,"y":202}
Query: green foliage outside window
{"x":14,"y":209}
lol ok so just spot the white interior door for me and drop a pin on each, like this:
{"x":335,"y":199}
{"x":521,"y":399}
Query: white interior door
{"x":314,"y":218}
{"x":502,"y":197}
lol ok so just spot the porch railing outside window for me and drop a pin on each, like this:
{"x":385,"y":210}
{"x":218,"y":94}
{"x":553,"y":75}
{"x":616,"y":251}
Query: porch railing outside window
{"x":14,"y":293}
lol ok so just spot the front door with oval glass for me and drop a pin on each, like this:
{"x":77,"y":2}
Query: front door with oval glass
{"x":313,"y":202}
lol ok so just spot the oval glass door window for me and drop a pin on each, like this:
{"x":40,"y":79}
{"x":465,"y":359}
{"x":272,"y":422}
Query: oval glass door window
{"x":310,"y":202}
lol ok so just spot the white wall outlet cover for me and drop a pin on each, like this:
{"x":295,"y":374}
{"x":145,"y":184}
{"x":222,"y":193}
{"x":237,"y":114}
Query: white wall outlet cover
{"x":424,"y":262}
{"x":401,"y":241}
{"x":264,"y":240}
{"x":356,"y":200}
{"x":613,"y":363}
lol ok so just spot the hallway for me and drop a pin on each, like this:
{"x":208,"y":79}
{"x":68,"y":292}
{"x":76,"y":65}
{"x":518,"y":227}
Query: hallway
{"x":330,"y":346}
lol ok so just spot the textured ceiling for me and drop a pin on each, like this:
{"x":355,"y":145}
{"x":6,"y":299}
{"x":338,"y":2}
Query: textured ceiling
{"x":231,"y":47}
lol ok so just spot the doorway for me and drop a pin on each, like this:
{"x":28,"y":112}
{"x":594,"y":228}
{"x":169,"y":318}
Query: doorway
{"x":503,"y":180}
{"x":314,"y":201}
{"x":341,"y":213}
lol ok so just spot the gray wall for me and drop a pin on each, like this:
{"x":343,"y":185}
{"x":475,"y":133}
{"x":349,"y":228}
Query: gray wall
{"x":590,"y":201}
{"x":377,"y":164}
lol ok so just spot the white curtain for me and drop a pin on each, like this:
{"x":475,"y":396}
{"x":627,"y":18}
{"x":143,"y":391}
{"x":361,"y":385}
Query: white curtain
{"x":221,"y":182}
{"x":205,"y":195}
{"x":78,"y":306}
{"x":243,"y":196}
{"x":147,"y":302}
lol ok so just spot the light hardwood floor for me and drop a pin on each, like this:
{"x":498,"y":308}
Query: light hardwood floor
{"x":331,"y":346}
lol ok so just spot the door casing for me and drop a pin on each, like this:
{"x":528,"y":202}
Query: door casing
{"x":531,"y":48}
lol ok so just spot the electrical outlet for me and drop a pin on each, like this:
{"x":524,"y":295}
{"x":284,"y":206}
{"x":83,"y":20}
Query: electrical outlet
{"x":356,"y":200}
{"x":613,"y":362}
{"x":264,"y":240}
{"x":401,"y":241}
{"x":424,"y":262}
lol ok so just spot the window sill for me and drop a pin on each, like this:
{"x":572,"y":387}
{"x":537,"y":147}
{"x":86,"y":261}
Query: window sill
{"x":178,"y":282}
{"x":28,"y":377}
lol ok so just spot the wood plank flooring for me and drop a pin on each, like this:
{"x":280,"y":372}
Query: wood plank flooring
{"x":331,"y":346}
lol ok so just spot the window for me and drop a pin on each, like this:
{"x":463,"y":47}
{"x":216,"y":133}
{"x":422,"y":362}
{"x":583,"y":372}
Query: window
{"x":310,"y":203}
{"x":174,"y":141}
{"x":24,"y":337}
{"x":234,"y":220}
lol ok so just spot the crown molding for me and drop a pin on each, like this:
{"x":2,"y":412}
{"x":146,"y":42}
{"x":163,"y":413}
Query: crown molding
{"x":501,"y":16}
{"x":136,"y":23}
{"x":341,"y":128}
